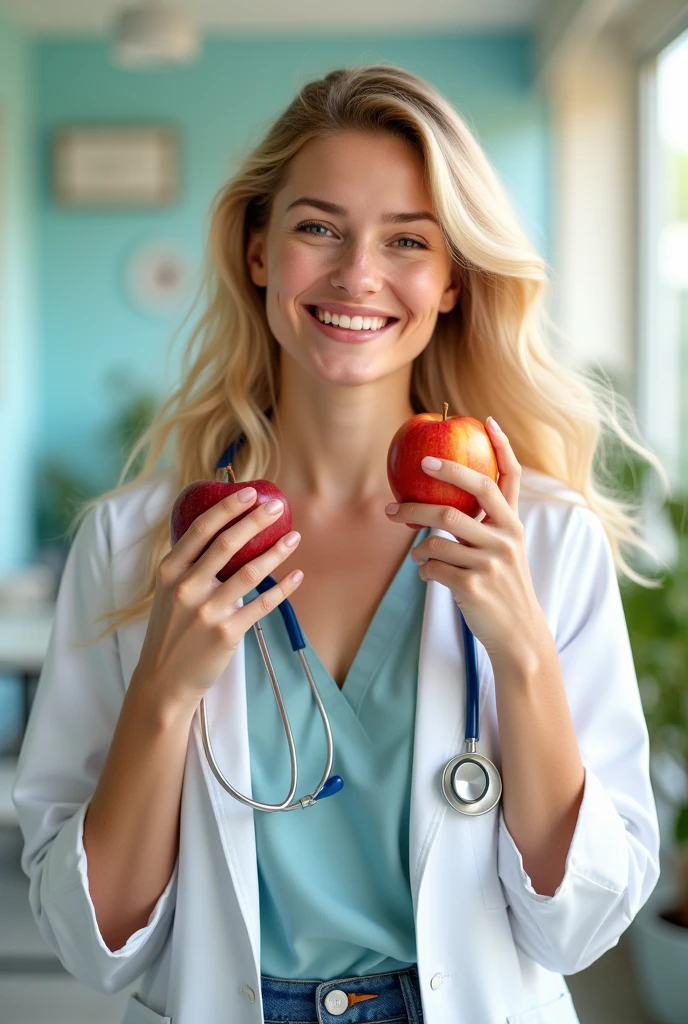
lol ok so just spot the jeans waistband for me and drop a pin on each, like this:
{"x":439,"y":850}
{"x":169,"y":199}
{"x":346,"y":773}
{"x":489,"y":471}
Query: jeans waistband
{"x":371,"y":998}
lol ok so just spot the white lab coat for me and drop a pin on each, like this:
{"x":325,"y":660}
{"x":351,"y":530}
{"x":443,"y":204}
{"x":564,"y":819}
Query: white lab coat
{"x":490,"y":949}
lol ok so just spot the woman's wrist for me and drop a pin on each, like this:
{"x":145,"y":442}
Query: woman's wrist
{"x":153,"y":705}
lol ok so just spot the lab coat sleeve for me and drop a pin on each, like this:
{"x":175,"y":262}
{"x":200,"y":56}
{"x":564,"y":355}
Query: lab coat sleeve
{"x":72,"y":721}
{"x":613,"y":860}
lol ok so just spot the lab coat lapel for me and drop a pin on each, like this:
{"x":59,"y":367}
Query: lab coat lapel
{"x":228,"y":730}
{"x":440,"y":719}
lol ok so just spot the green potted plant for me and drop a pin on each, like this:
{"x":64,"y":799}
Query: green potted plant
{"x":658,"y":628}
{"x":64,"y":489}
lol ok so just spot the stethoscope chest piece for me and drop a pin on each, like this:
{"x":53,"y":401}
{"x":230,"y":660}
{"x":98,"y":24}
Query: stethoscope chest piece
{"x":471,"y":783}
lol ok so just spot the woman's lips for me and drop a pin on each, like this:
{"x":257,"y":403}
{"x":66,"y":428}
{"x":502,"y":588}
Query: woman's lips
{"x":345,"y":334}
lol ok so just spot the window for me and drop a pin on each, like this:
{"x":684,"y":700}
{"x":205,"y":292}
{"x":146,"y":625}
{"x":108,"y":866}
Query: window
{"x":663,"y":307}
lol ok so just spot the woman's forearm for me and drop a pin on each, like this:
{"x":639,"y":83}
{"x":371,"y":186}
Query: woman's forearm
{"x":131,"y":829}
{"x":542,"y":772}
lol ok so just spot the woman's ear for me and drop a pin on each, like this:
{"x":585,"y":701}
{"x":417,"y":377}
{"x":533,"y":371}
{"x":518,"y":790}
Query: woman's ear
{"x":255,"y":258}
{"x":451,"y":293}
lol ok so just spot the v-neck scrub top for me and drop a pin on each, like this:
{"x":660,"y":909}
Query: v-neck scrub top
{"x":335,"y":894}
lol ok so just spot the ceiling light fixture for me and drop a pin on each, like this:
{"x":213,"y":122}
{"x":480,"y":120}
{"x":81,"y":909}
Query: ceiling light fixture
{"x":151,"y":34}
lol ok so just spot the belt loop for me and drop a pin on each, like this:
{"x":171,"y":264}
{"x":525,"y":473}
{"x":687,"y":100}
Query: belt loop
{"x":411,"y":994}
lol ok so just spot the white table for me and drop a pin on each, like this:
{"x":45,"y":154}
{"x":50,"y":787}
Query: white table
{"x":24,"y":635}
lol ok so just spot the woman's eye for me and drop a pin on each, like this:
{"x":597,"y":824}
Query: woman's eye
{"x":323,"y":228}
{"x":415,"y":242}
{"x":304,"y":227}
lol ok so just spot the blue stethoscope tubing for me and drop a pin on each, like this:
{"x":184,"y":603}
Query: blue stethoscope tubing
{"x":471,"y":783}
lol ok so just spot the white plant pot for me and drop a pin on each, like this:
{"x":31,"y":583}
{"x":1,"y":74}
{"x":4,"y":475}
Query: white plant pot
{"x":660,"y":954}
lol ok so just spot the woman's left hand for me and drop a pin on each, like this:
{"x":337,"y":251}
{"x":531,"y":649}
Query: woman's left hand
{"x":487,"y":572}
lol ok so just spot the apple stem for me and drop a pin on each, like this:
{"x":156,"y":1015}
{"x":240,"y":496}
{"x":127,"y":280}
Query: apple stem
{"x":445,"y":410}
{"x":230,"y":474}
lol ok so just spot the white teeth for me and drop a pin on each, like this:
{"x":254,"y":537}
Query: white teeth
{"x":356,"y":323}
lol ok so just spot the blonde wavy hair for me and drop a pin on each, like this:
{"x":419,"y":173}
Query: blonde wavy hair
{"x":489,"y":355}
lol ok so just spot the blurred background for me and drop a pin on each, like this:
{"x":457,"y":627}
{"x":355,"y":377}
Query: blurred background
{"x":118,"y":122}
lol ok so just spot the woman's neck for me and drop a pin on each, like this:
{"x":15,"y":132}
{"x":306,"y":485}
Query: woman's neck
{"x":334,"y":441}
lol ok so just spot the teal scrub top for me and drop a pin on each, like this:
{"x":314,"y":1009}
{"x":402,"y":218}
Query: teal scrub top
{"x":335,"y":895}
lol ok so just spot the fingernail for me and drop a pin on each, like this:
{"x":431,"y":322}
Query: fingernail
{"x":247,"y":494}
{"x":494,"y":424}
{"x":274,"y":506}
{"x":391,"y":509}
{"x":292,"y":538}
{"x":429,"y":462}
{"x":296,"y":577}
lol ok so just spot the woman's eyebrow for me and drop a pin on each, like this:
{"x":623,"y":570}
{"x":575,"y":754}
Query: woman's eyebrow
{"x":340,"y":211}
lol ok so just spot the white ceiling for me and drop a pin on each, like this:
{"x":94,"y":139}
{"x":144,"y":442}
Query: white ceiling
{"x":286,"y":16}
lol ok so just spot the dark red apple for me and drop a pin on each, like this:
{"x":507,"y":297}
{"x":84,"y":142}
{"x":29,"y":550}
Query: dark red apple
{"x":459,"y":438}
{"x":202,"y":494}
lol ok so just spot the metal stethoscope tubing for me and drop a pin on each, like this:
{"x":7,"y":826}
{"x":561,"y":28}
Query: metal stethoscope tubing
{"x":327,"y":786}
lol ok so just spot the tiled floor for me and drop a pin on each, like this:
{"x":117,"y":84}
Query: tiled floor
{"x":34,"y":989}
{"x":37,"y":999}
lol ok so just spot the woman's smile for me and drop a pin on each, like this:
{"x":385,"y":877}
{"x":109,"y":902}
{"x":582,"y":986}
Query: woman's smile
{"x":350,"y":332}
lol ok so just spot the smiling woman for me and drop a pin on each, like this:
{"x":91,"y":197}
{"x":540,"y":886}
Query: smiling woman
{"x":364,"y":266}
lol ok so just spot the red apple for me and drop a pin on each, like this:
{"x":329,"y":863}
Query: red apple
{"x":459,"y":438}
{"x":202,"y":494}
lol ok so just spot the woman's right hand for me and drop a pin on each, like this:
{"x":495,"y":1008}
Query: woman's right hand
{"x":194,"y":626}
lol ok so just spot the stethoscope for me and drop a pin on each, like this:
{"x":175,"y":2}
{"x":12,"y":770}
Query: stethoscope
{"x":470,"y":782}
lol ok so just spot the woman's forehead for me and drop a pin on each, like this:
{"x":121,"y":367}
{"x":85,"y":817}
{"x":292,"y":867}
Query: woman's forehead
{"x":352,"y":170}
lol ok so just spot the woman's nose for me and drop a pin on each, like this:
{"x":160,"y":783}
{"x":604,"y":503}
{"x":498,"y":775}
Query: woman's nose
{"x":357,"y":270}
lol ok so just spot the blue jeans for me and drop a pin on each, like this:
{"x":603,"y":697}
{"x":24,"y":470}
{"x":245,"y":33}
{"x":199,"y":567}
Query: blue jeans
{"x":396,"y":999}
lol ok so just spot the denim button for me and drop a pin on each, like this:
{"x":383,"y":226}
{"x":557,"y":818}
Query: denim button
{"x":336,"y":1002}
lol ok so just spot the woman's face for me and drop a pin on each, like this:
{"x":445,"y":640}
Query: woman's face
{"x":352,"y":233}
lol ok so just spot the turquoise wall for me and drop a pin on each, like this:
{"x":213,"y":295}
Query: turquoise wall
{"x":17,"y":297}
{"x":18,"y":374}
{"x":221,"y":104}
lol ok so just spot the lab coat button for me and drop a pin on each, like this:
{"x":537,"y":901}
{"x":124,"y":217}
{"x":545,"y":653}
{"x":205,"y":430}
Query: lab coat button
{"x":435,"y":981}
{"x":249,"y":993}
{"x":336,"y":1002}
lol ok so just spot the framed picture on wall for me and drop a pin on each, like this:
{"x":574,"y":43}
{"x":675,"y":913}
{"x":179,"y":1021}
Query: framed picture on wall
{"x":115,"y":166}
